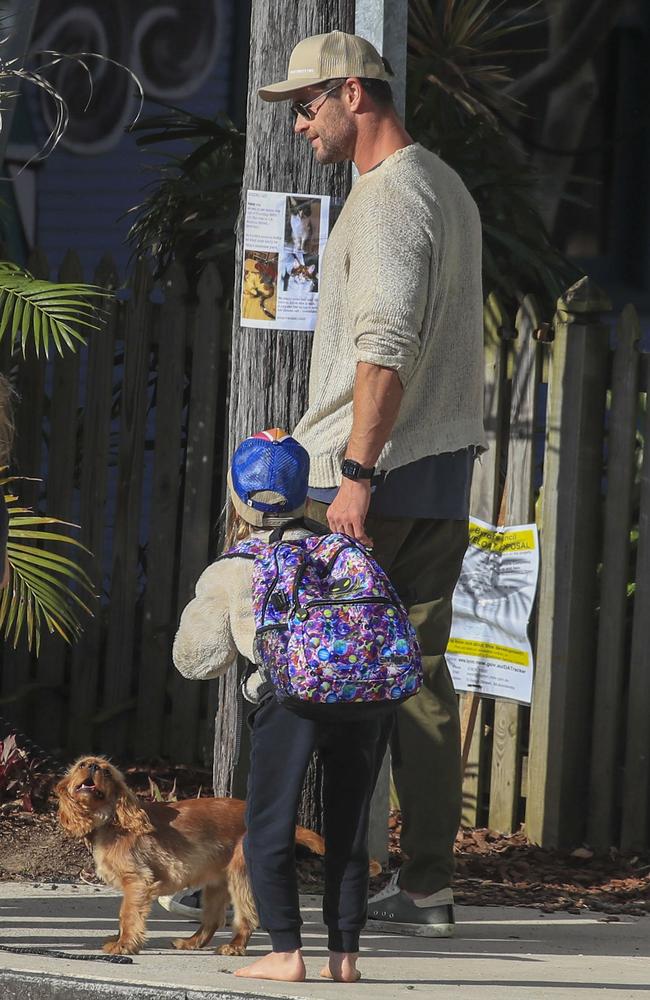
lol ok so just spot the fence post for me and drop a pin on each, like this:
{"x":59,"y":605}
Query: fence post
{"x":486,"y":481}
{"x":119,"y":701}
{"x":484,"y":504}
{"x":197,"y":512}
{"x":560,"y":721}
{"x":95,"y":439}
{"x":51,"y":702}
{"x":505,"y":783}
{"x":634,"y":830}
{"x":159,"y":612}
{"x":612,"y":625}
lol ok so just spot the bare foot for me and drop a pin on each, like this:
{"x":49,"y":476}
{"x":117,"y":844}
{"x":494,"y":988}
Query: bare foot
{"x":342,"y":968}
{"x":284,"y":966}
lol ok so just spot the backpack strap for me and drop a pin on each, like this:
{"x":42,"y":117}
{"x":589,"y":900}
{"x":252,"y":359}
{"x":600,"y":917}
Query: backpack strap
{"x":316,"y":527}
{"x":250,"y":548}
{"x":313,"y":527}
{"x":278,"y":533}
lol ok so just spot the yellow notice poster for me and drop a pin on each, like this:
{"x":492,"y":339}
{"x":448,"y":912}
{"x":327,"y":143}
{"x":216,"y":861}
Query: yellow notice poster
{"x":488,"y":651}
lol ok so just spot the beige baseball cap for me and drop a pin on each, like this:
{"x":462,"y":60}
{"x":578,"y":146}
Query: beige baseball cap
{"x":327,"y":57}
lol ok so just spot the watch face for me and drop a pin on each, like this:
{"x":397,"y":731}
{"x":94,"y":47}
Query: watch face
{"x":350,"y":469}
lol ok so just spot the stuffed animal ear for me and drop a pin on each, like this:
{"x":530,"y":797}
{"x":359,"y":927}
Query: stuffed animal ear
{"x":72,"y":817}
{"x":130,"y":815}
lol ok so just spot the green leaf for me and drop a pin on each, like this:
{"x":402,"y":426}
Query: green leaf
{"x":6,"y":314}
{"x":40,"y":308}
{"x":37,"y":330}
{"x":51,"y":557}
{"x":25,"y":324}
{"x":46,"y":334}
{"x":39,"y":593}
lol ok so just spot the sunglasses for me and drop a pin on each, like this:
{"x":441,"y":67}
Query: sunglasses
{"x":304,"y":109}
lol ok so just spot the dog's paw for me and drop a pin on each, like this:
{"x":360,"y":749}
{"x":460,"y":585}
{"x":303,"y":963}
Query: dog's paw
{"x":185,"y":944}
{"x":231,"y":949}
{"x":114,"y":946}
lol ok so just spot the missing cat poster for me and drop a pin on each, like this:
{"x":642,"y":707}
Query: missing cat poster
{"x":284,"y":238}
{"x":488,"y":651}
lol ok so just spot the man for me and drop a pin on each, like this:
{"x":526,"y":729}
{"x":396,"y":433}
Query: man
{"x":395,"y":414}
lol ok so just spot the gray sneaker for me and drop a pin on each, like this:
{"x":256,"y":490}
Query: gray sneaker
{"x":187,"y":903}
{"x":393,"y":911}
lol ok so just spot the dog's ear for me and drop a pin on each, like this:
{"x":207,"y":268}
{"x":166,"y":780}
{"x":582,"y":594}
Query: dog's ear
{"x":129,"y":814}
{"x":74,"y":820}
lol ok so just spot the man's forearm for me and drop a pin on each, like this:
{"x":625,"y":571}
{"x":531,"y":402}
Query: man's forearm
{"x":376,"y":401}
{"x":377,"y":397}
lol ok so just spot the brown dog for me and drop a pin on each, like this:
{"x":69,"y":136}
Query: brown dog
{"x":151,"y":849}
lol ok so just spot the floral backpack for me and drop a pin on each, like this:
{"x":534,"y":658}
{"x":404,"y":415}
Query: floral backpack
{"x":331,"y":633}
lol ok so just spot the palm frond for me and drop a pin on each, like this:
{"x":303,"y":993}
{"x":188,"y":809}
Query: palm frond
{"x":43,"y":311}
{"x":190,"y":214}
{"x":455,"y":102}
{"x":38,"y":594}
{"x":455,"y":47}
{"x":11,"y":71}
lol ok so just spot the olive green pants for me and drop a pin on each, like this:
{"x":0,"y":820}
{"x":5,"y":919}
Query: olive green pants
{"x":423,"y":559}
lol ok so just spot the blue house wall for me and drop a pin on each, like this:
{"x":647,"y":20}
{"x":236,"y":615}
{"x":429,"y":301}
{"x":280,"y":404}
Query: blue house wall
{"x":96,"y":173}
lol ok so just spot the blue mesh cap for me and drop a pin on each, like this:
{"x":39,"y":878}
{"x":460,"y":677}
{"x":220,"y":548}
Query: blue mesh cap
{"x":269,"y":475}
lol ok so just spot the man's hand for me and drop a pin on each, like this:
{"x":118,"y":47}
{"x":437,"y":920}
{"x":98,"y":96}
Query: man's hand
{"x":347,"y":512}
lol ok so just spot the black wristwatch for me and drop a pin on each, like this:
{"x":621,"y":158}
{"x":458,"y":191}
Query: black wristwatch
{"x":352,"y":470}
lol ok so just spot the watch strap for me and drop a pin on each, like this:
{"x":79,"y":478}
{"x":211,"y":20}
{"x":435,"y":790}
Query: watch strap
{"x":354,"y":470}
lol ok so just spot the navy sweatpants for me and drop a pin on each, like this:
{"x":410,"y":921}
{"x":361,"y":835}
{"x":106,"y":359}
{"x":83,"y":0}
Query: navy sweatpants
{"x":281,"y":747}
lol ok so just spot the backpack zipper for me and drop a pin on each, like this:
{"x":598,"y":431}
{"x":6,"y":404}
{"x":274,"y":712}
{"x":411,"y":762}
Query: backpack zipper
{"x":344,"y":546}
{"x":317,"y":604}
{"x":296,"y":583}
{"x":269,"y":591}
{"x":350,"y":600}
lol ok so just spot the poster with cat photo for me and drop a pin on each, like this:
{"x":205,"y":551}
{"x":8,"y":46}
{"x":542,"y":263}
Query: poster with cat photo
{"x":284,"y":238}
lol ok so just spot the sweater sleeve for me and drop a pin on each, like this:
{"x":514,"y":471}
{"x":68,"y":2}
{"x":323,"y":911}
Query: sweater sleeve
{"x":204,"y":646}
{"x":389,"y":280}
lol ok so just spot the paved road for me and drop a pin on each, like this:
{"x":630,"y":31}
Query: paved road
{"x":498,"y":954}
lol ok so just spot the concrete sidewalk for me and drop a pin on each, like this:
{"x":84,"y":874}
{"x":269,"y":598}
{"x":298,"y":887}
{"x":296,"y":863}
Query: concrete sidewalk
{"x":504,"y":953}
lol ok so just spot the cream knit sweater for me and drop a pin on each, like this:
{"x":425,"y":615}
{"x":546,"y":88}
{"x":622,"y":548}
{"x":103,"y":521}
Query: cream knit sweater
{"x":400,"y":287}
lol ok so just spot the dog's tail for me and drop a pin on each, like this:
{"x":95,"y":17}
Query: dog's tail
{"x":309,"y":839}
{"x":316,"y":844}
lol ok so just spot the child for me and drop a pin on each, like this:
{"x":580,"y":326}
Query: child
{"x":268,"y":486}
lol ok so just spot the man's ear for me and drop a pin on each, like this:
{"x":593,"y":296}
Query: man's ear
{"x":74,"y":820}
{"x":353,"y":93}
{"x":130,"y":815}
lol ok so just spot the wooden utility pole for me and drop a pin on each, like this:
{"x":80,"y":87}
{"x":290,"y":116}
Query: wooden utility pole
{"x":270,"y":369}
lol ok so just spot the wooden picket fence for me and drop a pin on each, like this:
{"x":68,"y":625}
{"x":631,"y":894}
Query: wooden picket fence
{"x":577,"y":767}
{"x":127,"y":436}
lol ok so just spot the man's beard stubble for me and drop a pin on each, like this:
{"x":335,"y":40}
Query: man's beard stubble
{"x":328,"y":151}
{"x":334,"y":147}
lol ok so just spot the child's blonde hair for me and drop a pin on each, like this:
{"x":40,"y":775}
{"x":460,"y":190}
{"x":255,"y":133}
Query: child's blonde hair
{"x":237,"y":529}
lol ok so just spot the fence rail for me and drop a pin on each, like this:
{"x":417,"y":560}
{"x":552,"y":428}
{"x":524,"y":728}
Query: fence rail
{"x":129,"y":439}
